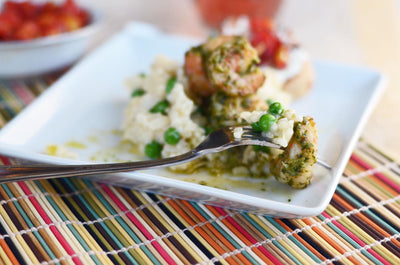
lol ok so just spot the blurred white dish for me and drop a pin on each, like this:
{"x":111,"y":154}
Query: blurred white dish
{"x":92,"y":97}
{"x":46,"y":54}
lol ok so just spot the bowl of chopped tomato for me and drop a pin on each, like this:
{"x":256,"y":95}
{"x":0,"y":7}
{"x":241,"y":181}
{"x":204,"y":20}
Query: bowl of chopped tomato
{"x":38,"y":37}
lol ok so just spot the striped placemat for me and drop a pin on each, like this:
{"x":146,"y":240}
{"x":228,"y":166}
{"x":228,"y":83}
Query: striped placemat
{"x":75,"y":221}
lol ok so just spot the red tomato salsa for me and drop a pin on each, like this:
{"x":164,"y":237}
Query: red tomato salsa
{"x":267,"y":43}
{"x":27,"y":20}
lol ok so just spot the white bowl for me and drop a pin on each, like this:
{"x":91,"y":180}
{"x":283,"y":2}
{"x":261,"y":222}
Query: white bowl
{"x":46,"y":54}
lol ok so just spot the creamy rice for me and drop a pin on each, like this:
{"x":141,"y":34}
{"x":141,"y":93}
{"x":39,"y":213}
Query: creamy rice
{"x":238,"y":132}
{"x":140,"y":126}
{"x":281,"y":131}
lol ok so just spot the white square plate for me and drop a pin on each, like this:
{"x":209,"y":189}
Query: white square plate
{"x":91,"y":97}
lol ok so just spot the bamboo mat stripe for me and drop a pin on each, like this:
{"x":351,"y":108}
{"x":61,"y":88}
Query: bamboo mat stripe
{"x":75,"y":221}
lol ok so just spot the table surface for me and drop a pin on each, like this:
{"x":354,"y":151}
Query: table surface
{"x":358,"y":32}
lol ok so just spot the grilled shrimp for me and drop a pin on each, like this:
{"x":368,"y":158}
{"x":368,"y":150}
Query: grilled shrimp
{"x":227,"y":64}
{"x":199,"y":84}
{"x":294,"y":165}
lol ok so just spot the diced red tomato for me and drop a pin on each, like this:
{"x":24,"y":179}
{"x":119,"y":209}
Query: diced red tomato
{"x":46,"y":19}
{"x":28,"y":10}
{"x":50,"y":7}
{"x":5,"y":28}
{"x":268,"y":45}
{"x":56,"y":28}
{"x":70,"y":7}
{"x":9,"y":22}
{"x":281,"y":56}
{"x":261,"y":24}
{"x":27,"y":31}
{"x":25,"y":20}
{"x":10,"y":6}
{"x":71,"y":22}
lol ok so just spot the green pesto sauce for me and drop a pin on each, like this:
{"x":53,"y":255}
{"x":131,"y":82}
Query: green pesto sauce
{"x":75,"y":144}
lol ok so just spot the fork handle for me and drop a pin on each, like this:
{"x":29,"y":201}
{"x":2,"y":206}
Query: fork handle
{"x":33,"y":172}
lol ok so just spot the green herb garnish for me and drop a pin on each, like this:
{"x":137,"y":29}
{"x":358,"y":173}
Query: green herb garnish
{"x":160,"y":107}
{"x":170,"y":85}
{"x":138,"y":92}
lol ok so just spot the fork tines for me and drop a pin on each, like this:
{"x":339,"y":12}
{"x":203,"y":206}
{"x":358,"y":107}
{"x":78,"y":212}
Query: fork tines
{"x":249,"y":133}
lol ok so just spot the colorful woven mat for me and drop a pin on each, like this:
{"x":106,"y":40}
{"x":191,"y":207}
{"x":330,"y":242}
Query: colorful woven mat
{"x":74,"y":221}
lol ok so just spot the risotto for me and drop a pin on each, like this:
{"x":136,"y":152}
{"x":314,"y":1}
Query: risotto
{"x":167,"y":116}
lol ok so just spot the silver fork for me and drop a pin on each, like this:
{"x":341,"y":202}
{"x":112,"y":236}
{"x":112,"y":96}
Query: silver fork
{"x":217,"y":141}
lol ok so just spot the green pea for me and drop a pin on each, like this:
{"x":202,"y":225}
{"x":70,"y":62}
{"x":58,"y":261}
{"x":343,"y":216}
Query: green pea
{"x":266,"y":122}
{"x":138,"y":92}
{"x":170,"y":85}
{"x":276,"y":108}
{"x":261,"y":148}
{"x":160,"y":107}
{"x":153,"y":149}
{"x":172,"y":136}
{"x":256,"y":126}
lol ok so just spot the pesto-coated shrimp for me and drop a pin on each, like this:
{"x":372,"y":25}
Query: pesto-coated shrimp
{"x":294,"y":166}
{"x":199,"y":84}
{"x":227,"y":64}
